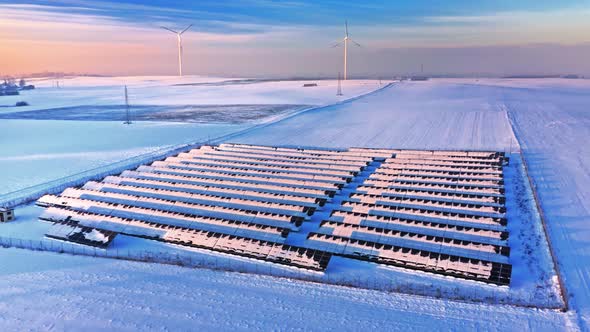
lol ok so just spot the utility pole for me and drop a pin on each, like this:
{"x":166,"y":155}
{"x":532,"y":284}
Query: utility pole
{"x":128,"y":118}
{"x":339,"y":91}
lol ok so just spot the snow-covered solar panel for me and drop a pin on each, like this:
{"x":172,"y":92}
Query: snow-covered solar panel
{"x":208,"y":198}
{"x":435,"y":211}
{"x":258,"y":166}
{"x":171,"y":218}
{"x":441,"y":187}
{"x":285,"y":158}
{"x":269,"y":195}
{"x":240,"y":170}
{"x":449,"y":205}
{"x":439,"y":173}
{"x":460,"y":181}
{"x":447,"y":228}
{"x":300,"y":257}
{"x":424,"y":260}
{"x":424,"y":213}
{"x":296,"y":154}
{"x":224,"y":171}
{"x":202,"y":209}
{"x":350,"y":151}
{"x":70,"y":232}
{"x":283,"y":189}
{"x":431,"y":194}
{"x":291,"y":153}
{"x":389,"y":236}
{"x":310,"y":184}
{"x":272,"y":163}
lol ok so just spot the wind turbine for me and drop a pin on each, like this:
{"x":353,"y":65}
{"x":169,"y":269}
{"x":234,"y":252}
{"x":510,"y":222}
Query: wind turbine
{"x":345,"y":43}
{"x":178,"y":35}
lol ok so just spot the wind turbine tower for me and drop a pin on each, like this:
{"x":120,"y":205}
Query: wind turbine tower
{"x":344,"y":42}
{"x":179,"y":36}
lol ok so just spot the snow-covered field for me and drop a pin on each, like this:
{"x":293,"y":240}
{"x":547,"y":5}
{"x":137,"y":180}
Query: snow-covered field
{"x":38,"y":151}
{"x":551,"y":123}
{"x":173,"y":91}
{"x":409,"y":115}
{"x":533,"y":277}
{"x":51,"y":292}
{"x":61,"y":148}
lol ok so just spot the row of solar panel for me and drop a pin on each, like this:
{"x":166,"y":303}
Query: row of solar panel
{"x":175,"y":200}
{"x":492,"y":165}
{"x":81,"y":224}
{"x":253,"y":161}
{"x":461,"y":153}
{"x":424,"y":213}
{"x":372,"y":153}
{"x":361,"y":155}
{"x":418,"y":259}
{"x":220,"y":153}
{"x":185,"y":159}
{"x":396,"y":165}
{"x":417,"y":240}
{"x":442,"y":196}
{"x":431,"y":203}
{"x":118,"y":217}
{"x":434,"y":212}
{"x":444,"y":174}
{"x":308,"y":152}
{"x":71,"y":232}
{"x":260,"y":193}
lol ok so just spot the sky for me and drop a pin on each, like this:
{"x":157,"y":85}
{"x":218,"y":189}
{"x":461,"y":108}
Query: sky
{"x":265,"y":38}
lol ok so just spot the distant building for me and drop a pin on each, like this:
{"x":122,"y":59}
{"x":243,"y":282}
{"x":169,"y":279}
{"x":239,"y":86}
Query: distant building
{"x":8,"y":88}
{"x":309,"y":85}
{"x":6,"y":214}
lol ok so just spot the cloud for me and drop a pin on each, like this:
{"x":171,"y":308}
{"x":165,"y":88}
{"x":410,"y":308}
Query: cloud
{"x":45,"y":23}
{"x":108,"y":37}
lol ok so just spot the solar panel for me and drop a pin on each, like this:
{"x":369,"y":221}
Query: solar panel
{"x":435,"y":211}
{"x":71,"y":232}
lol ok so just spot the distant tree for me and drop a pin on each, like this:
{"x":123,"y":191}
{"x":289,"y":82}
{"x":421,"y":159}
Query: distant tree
{"x":9,"y":81}
{"x":22,"y":82}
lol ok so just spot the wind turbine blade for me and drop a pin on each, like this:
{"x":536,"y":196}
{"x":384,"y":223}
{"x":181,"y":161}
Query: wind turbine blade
{"x":357,"y":44}
{"x":346,"y":25}
{"x":336,"y":45}
{"x":188,"y":27}
{"x":165,"y":28}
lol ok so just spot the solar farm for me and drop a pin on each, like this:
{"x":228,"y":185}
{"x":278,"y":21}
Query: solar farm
{"x":434,"y":203}
{"x":436,"y":212}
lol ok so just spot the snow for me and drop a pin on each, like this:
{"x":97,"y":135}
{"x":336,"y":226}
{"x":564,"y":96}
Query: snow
{"x":554,"y":132}
{"x":95,"y":235}
{"x":170,"y":91}
{"x":550,"y":119}
{"x":552,"y":125}
{"x":63,"y":148}
{"x":431,"y":115}
{"x":38,"y":151}
{"x":73,"y":293}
